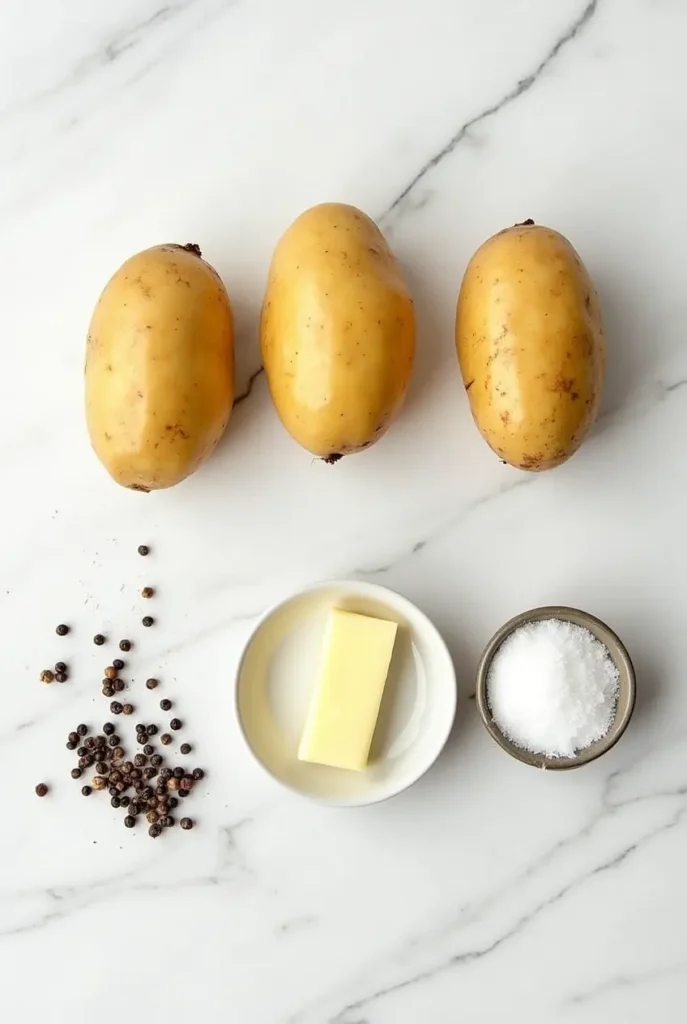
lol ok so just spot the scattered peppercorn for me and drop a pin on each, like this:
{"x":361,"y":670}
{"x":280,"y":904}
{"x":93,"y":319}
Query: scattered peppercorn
{"x":135,"y":773}
{"x":148,"y":749}
{"x":151,"y":683}
{"x":186,"y":823}
{"x":86,"y":790}
{"x":114,"y":739}
{"x":125,"y":645}
{"x":125,"y":800}
{"x":186,"y":784}
{"x":129,"y":821}
{"x":118,"y":753}
{"x":108,"y":691}
{"x":89,"y":741}
{"x":108,"y":728}
{"x":60,"y":677}
{"x":62,"y":630}
{"x":154,"y":831}
{"x":185,"y":748}
{"x":118,"y":664}
{"x":101,"y":767}
{"x":41,"y":789}
{"x":47,"y":676}
{"x":147,"y":592}
{"x":128,"y":709}
{"x":173,"y":784}
{"x":165,"y":773}
{"x":147,"y":620}
{"x":183,"y":792}
{"x":116,"y":707}
{"x":98,"y":639}
{"x":73,"y":737}
{"x":113,"y":791}
{"x":151,"y":816}
{"x":76,"y":773}
{"x":71,"y":745}
{"x":149,"y":772}
{"x":178,"y":772}
{"x":86,"y":761}
{"x":143,"y":550}
{"x":115,"y":801}
{"x":98,"y":782}
{"x":165,"y":704}
{"x":82,"y":729}
{"x":175,"y":724}
{"x":82,"y":751}
{"x":173,"y":802}
{"x":110,"y":672}
{"x":140,"y":760}
{"x":152,"y":730}
{"x":119,"y":684}
{"x":165,"y":738}
{"x":156,"y":760}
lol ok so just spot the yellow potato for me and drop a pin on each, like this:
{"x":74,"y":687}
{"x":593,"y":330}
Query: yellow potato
{"x":159,"y":367}
{"x":337,"y":331}
{"x":530,"y":345}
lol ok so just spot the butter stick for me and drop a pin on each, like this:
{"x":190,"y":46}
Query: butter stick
{"x":345,"y":705}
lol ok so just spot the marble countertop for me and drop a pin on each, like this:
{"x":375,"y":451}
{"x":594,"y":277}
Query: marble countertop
{"x":488,"y":889}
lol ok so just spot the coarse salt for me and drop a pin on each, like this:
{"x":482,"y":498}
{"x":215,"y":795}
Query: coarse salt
{"x":552,"y":688}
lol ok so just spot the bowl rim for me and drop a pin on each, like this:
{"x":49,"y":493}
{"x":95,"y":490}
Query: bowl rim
{"x":619,"y":656}
{"x":381,"y":593}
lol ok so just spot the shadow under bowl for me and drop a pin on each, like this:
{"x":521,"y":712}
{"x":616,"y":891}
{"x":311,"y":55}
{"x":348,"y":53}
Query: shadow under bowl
{"x":627,"y":687}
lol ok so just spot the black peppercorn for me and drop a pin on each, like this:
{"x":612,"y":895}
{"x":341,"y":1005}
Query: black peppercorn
{"x":89,"y":741}
{"x":86,"y":790}
{"x":108,"y":691}
{"x":146,"y":792}
{"x":71,"y":745}
{"x":108,"y":728}
{"x":98,"y":639}
{"x":118,"y":685}
{"x":185,"y":748}
{"x":76,"y":773}
{"x":140,"y":760}
{"x":62,"y":630}
{"x":41,"y":789}
{"x":60,"y":677}
{"x":175,"y":724}
{"x":147,"y":620}
{"x":147,"y":592}
{"x":178,"y":772}
{"x":129,"y":821}
{"x":115,"y":801}
{"x":100,"y":767}
{"x":165,"y":739}
{"x":82,"y":729}
{"x":127,"y":709}
{"x":73,"y":737}
{"x":165,"y":773}
{"x":125,"y":645}
{"x":113,"y":791}
{"x":152,"y":730}
{"x":183,"y":792}
{"x":86,"y":761}
{"x":185,"y":784}
{"x":135,"y":773}
{"x":116,"y":707}
{"x":154,"y":831}
{"x":82,"y":751}
{"x":149,"y":773}
{"x":118,"y":664}
{"x":60,"y":666}
{"x":156,"y":760}
{"x":151,"y":683}
{"x":148,"y":749}
{"x":124,"y":800}
{"x":186,"y":823}
{"x":143,"y":549}
{"x":125,"y":767}
{"x":167,"y":821}
{"x":173,"y":802}
{"x":113,"y":740}
{"x":165,"y":704}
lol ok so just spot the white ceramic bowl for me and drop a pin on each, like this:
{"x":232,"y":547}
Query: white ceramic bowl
{"x":278,"y":671}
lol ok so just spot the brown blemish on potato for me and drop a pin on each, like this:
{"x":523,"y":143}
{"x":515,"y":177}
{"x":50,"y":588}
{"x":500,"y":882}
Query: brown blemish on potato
{"x":532,"y":461}
{"x":505,"y":418}
{"x":469,"y":384}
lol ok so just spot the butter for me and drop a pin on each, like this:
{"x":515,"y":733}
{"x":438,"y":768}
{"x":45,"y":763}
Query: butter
{"x":344,"y":708}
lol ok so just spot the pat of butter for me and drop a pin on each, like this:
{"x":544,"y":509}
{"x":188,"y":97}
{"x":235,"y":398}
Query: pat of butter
{"x":344,"y":708}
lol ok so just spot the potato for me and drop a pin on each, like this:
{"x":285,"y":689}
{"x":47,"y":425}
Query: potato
{"x":159,"y":367}
{"x":337,"y":331}
{"x":530,"y":345}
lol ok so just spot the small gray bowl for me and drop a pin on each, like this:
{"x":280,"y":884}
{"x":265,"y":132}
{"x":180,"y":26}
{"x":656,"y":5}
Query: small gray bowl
{"x":626,"y":687}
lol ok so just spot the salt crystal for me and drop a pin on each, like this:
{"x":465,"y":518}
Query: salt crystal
{"x":552,"y":688}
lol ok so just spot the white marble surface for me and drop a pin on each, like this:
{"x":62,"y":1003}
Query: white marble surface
{"x":489,"y":888}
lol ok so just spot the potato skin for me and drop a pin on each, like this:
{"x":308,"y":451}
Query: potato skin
{"x":530,"y":344}
{"x":159,"y":367}
{"x":337,"y":331}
